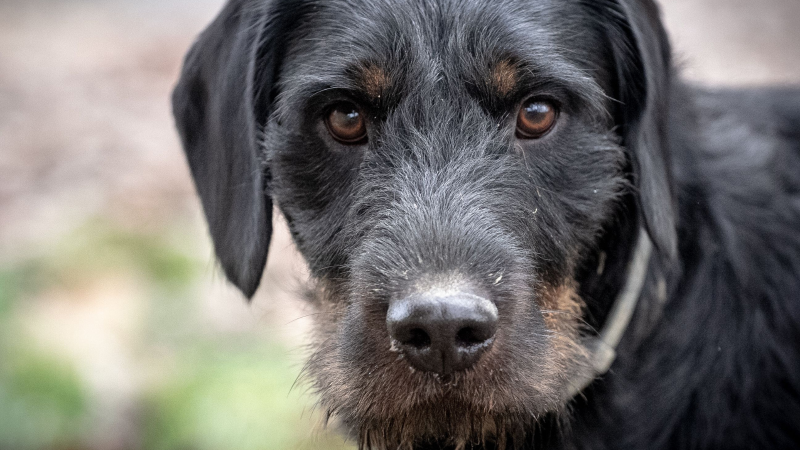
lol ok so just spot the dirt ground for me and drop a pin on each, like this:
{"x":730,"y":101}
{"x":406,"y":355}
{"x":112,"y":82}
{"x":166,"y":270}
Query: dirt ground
{"x":86,"y":136}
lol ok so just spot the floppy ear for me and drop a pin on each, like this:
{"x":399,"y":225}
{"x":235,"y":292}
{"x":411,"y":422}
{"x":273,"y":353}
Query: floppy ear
{"x":643,"y":67}
{"x":221,"y":104}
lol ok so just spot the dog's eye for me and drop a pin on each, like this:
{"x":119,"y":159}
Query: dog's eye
{"x":536,"y":118}
{"x":346,"y":124}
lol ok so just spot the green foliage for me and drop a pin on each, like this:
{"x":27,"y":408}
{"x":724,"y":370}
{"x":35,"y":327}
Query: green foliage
{"x":224,"y":399}
{"x":211,"y":390}
{"x":98,"y":248}
{"x":42,"y":402}
{"x":8,"y":291}
{"x":16,"y":280}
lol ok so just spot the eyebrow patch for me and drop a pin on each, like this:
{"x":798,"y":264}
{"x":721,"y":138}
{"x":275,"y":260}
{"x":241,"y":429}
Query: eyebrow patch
{"x":375,"y":81}
{"x":504,"y":77}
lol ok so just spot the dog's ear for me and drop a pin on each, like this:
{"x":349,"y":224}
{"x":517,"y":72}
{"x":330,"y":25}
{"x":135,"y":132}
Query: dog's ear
{"x":643,"y":67}
{"x":221,"y":105}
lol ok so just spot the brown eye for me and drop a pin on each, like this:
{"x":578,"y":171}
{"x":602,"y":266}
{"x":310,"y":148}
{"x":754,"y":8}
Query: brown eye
{"x":536,"y":118}
{"x":346,"y":124}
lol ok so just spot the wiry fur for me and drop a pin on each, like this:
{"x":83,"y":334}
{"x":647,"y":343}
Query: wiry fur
{"x":444,"y":192}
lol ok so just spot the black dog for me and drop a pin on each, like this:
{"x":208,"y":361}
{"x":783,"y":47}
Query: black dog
{"x":497,"y":200}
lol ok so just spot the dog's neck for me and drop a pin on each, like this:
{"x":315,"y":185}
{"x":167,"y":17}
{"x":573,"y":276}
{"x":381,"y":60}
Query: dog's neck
{"x":603,"y":347}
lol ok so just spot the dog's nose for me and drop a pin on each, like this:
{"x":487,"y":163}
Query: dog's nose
{"x":442,"y":333}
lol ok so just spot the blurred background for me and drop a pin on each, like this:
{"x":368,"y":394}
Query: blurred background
{"x":117,"y":330}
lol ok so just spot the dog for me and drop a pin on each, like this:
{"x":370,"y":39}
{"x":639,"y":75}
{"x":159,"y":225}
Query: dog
{"x":523,"y":229}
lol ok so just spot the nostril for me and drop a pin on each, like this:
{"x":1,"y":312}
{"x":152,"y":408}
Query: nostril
{"x":468,"y":337}
{"x":418,"y":339}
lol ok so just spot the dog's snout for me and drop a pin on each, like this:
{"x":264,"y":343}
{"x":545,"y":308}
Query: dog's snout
{"x":442,"y":333}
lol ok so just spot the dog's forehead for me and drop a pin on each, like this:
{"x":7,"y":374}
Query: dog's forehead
{"x":374,"y":46}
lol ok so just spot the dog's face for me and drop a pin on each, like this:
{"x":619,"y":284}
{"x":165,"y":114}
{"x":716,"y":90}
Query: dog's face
{"x":482,"y":161}
{"x":462,"y":178}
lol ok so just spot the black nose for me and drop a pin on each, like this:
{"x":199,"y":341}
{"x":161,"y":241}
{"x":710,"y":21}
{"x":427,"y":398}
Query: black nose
{"x":442,"y":333}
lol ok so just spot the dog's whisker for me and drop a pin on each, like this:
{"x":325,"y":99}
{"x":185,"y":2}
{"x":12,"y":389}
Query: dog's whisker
{"x":302,"y":317}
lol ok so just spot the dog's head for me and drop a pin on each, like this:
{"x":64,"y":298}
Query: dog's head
{"x":465,"y":180}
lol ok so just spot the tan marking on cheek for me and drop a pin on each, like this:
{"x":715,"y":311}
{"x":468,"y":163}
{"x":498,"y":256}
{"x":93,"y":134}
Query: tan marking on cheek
{"x":504,"y":78}
{"x":562,"y":300}
{"x":562,"y":309}
{"x":375,"y":80}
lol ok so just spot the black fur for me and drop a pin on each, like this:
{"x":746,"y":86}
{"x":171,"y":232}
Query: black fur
{"x":444,"y":190}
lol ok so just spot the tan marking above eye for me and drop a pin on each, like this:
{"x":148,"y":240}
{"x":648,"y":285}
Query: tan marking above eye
{"x":504,"y":77}
{"x":376,"y":81}
{"x":346,"y":124}
{"x":536,"y":118}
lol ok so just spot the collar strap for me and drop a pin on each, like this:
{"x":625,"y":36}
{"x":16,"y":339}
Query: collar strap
{"x":602,"y":349}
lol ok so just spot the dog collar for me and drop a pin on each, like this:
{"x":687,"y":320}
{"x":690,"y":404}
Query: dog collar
{"x":602,"y":349}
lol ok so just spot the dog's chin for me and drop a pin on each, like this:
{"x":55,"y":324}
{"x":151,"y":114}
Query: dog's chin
{"x":444,"y":424}
{"x":422,"y":410}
